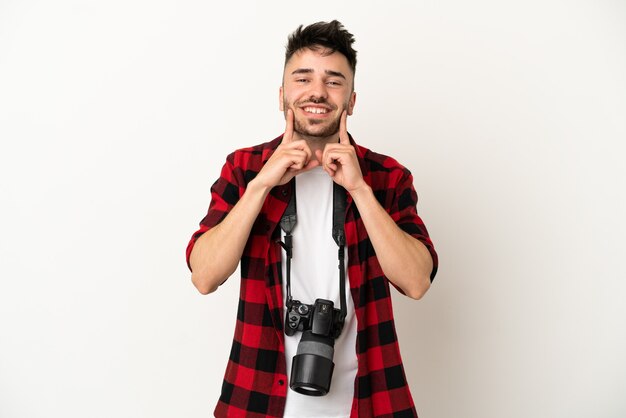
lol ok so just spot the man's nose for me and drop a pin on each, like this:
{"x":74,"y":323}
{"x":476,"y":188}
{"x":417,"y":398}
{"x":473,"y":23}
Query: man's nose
{"x":318,"y":89}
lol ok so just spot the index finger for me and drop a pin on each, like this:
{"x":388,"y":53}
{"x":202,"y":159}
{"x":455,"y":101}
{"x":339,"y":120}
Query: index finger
{"x":343,"y":130}
{"x":288,"y":135}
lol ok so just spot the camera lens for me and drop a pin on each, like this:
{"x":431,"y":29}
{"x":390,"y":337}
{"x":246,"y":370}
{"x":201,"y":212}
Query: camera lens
{"x":312,"y":366}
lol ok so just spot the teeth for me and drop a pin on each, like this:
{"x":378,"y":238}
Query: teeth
{"x":316,"y":110}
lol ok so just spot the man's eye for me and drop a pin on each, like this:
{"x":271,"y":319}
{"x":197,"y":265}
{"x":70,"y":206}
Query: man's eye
{"x":301,"y":80}
{"x":333,"y":83}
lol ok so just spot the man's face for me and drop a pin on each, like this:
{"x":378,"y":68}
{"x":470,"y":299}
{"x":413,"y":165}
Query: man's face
{"x":317,"y":88}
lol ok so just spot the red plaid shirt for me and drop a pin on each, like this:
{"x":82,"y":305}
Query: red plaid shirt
{"x":255,"y":383}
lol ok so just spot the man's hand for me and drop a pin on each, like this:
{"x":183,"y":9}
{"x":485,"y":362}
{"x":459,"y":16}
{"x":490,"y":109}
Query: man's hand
{"x":339,"y":160}
{"x":291,"y":158}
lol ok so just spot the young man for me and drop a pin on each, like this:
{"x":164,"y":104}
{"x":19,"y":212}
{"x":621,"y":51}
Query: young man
{"x":386,"y":242}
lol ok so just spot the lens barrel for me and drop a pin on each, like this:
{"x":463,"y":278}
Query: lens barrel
{"x":312,"y":366}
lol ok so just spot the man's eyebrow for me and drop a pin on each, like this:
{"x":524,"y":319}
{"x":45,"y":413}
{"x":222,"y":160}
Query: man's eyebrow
{"x":302,"y":71}
{"x":335,"y":74}
{"x":310,"y":70}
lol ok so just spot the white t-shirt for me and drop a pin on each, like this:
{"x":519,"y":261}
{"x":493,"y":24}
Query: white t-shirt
{"x":314,"y":275}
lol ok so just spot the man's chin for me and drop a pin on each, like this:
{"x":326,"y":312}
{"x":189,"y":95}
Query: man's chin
{"x":316,"y":135}
{"x":316,"y":130}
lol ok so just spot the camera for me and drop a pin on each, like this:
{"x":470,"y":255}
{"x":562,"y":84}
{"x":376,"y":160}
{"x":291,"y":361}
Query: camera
{"x":312,"y":366}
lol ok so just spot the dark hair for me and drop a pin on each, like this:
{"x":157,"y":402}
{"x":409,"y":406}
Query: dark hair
{"x":330,"y":35}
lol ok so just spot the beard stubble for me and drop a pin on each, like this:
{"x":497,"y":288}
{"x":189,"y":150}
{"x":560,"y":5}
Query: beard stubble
{"x":305,"y":129}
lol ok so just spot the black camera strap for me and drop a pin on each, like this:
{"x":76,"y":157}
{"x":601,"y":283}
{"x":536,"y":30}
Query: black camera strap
{"x":339,"y":235}
{"x":288,"y":223}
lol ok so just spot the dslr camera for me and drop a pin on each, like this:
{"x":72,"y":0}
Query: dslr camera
{"x":312,"y":366}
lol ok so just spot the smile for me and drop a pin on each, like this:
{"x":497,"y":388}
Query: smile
{"x":316,"y":110}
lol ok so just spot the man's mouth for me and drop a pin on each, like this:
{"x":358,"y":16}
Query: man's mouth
{"x":315,"y":110}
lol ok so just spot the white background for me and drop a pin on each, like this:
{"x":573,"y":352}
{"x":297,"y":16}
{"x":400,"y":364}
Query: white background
{"x":116,"y":116}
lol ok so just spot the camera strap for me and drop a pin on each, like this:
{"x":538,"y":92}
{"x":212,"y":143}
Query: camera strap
{"x":288,"y":223}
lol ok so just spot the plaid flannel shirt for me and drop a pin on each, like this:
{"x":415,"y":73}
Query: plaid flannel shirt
{"x":255,"y":382}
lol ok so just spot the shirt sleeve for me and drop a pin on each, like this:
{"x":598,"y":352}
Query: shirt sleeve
{"x":224,"y":196}
{"x":404,"y":213}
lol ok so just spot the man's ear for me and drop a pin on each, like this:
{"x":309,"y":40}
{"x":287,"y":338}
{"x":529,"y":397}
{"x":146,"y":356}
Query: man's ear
{"x":280,"y":99}
{"x":351,"y":103}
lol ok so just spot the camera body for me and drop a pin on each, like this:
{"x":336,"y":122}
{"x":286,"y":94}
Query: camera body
{"x":320,"y":318}
{"x":312,"y":366}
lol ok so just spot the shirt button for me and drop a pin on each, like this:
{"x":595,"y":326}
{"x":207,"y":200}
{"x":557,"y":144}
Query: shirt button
{"x":281,"y":382}
{"x":284,"y":192}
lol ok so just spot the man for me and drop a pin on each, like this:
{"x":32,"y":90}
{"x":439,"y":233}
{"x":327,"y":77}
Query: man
{"x":386,"y":243}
